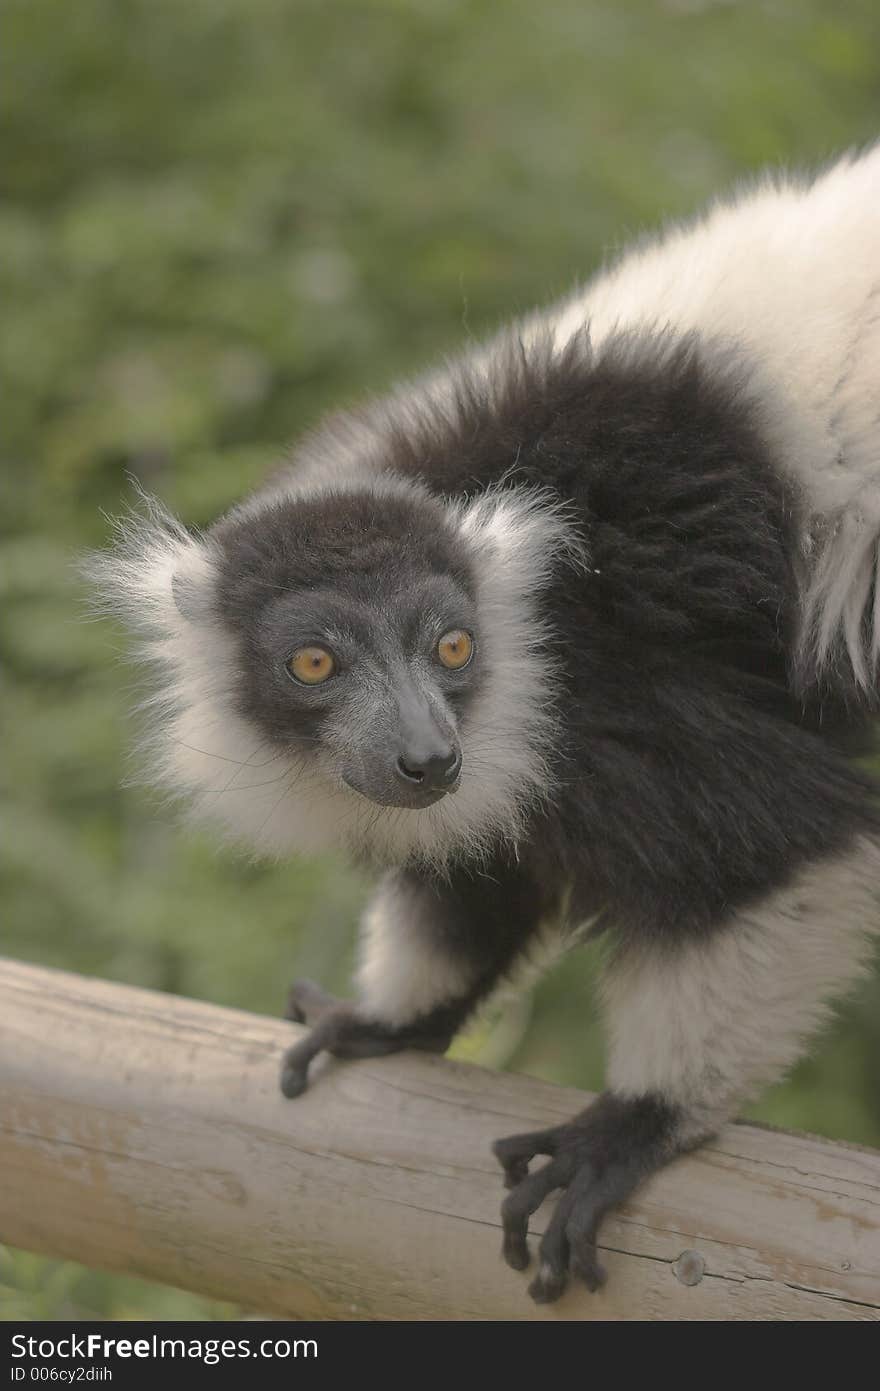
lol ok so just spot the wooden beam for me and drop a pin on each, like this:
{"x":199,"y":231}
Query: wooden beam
{"x":144,"y":1133}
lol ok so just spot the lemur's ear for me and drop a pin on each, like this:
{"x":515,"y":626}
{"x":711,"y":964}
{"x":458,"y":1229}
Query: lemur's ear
{"x":523,"y":529}
{"x":156,"y":573}
{"x":193,"y":594}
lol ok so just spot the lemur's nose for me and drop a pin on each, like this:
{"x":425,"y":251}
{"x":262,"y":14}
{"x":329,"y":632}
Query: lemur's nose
{"x":433,"y":772}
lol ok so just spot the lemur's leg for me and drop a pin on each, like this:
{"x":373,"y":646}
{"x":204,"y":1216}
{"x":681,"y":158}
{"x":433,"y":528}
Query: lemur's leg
{"x":694,"y":1030}
{"x":431,"y":949}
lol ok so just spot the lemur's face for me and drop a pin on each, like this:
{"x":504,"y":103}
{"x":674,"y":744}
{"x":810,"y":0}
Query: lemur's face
{"x":334,"y":664}
{"x":357,"y":628}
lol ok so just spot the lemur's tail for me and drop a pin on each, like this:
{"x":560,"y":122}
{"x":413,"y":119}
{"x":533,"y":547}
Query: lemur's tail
{"x":839,"y":642}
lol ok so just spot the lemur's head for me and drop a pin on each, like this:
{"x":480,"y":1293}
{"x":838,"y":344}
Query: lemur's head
{"x":358,"y":664}
{"x":353,"y":618}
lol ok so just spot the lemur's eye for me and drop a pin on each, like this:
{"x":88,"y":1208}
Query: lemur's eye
{"x":455,"y":649}
{"x":311,"y":665}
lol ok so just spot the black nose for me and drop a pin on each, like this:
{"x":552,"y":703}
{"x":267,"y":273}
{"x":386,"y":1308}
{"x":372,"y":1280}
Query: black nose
{"x":434,"y":772}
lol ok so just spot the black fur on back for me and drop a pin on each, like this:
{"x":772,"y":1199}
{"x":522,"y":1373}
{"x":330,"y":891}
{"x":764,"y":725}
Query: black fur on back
{"x":657,"y":443}
{"x":689,"y":778}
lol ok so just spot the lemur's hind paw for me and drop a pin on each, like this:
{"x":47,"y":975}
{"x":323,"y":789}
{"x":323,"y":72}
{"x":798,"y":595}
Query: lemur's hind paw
{"x":569,"y":1243}
{"x":597,"y":1160}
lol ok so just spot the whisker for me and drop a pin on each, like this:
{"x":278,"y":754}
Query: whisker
{"x":285,"y":792}
{"x":224,"y":758}
{"x":251,"y":786}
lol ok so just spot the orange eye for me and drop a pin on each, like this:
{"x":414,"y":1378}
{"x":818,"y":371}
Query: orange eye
{"x":455,"y":649}
{"x":311,"y":665}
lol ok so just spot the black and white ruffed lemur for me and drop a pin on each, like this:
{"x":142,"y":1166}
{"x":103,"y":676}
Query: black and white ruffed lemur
{"x":583,"y":627}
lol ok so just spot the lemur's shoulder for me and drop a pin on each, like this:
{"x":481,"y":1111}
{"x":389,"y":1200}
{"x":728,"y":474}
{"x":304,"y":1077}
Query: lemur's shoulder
{"x":786,"y":268}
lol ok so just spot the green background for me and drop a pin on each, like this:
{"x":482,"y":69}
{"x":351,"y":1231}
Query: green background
{"x":222,"y":217}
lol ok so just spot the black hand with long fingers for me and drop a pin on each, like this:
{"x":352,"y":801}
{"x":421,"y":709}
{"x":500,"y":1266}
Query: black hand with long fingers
{"x":597,"y":1159}
{"x":338,"y":1027}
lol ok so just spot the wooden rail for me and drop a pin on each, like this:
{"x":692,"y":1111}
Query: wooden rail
{"x":144,"y":1133}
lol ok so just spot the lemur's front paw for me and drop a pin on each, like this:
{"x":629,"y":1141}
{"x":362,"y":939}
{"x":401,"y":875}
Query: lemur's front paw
{"x":338,"y":1027}
{"x":597,"y":1159}
{"x":335,"y":1027}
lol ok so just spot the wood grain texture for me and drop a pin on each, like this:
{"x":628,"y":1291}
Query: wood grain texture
{"x":145,"y":1133}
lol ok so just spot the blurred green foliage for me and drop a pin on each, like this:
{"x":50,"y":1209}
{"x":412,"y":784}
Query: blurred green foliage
{"x":223,"y":217}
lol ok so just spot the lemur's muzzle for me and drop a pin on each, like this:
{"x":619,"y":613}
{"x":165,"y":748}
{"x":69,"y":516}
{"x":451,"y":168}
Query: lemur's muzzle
{"x":420,"y":761}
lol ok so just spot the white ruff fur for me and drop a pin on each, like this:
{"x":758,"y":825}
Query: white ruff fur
{"x":278,"y":803}
{"x":788,"y":273}
{"x":711,"y":1024}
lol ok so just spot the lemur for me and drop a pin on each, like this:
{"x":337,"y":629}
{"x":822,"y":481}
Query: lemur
{"x":580,"y":628}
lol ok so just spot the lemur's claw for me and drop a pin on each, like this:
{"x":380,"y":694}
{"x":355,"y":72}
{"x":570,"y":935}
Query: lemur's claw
{"x":294,"y":1075}
{"x":515,"y":1250}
